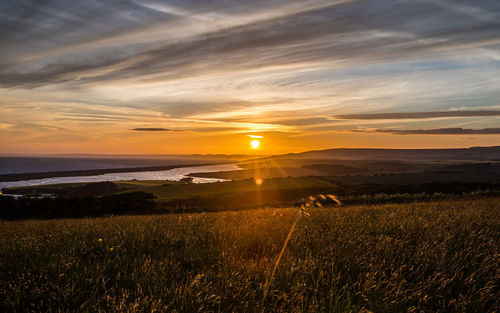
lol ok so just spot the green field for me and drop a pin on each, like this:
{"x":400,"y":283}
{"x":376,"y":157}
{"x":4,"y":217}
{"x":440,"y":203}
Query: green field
{"x":439,"y":256}
{"x":185,"y":191}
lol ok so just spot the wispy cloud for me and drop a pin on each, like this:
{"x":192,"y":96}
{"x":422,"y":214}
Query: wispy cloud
{"x":153,"y":129}
{"x":439,"y":131}
{"x":304,"y":121}
{"x":105,"y":117}
{"x":418,"y":115}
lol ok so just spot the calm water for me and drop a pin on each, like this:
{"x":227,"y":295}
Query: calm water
{"x":173,"y":174}
{"x":34,"y":164}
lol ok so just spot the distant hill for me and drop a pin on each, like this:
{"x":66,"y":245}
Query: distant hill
{"x":474,"y":153}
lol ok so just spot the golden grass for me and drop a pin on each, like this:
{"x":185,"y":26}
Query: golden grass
{"x":431,"y":257}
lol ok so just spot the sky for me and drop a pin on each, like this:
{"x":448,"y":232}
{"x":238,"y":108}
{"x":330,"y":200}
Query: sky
{"x":186,"y":76}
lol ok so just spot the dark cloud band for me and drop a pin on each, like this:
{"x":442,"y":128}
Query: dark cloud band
{"x":418,"y":115}
{"x":442,"y":131}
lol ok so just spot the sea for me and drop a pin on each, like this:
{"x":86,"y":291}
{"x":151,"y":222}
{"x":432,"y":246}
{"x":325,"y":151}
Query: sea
{"x":19,"y":165}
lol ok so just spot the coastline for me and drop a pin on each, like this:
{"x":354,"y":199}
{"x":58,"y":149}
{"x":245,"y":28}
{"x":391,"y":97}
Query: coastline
{"x":78,"y":173}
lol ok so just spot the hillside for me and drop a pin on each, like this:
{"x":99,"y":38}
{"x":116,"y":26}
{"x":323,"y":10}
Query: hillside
{"x":474,"y":153}
{"x":423,"y":257}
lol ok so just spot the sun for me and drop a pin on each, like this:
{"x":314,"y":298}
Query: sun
{"x":255,"y":144}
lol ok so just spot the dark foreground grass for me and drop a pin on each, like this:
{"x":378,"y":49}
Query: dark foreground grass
{"x":431,"y":257}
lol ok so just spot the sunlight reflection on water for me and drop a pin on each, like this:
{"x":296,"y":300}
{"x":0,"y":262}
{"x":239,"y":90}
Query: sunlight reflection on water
{"x":172,"y":174}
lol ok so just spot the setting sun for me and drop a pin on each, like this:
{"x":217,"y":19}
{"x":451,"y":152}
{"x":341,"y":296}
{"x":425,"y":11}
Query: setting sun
{"x":255,"y":144}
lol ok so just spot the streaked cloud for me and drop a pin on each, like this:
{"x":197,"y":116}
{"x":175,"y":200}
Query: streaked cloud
{"x":441,"y":131}
{"x":305,"y":121}
{"x":418,"y":115}
{"x":329,"y":33}
{"x":152,"y":129}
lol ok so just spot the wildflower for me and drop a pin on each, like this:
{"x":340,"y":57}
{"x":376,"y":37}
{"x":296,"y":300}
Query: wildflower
{"x":332,"y":197}
{"x":111,"y":249}
{"x":100,"y":239}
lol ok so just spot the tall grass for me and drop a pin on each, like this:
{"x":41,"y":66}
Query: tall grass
{"x":308,"y":204}
{"x":421,"y":257}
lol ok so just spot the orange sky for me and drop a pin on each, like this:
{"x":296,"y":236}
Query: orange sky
{"x":199,"y":76}
{"x":272,"y":143}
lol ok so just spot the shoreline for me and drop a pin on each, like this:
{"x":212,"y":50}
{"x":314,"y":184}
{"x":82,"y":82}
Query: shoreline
{"x":79,"y":173}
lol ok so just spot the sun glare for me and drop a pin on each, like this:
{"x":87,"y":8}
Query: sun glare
{"x":255,"y":144}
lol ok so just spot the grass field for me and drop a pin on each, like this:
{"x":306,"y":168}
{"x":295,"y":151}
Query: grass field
{"x":166,"y":190}
{"x":184,"y":191}
{"x":431,"y":257}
